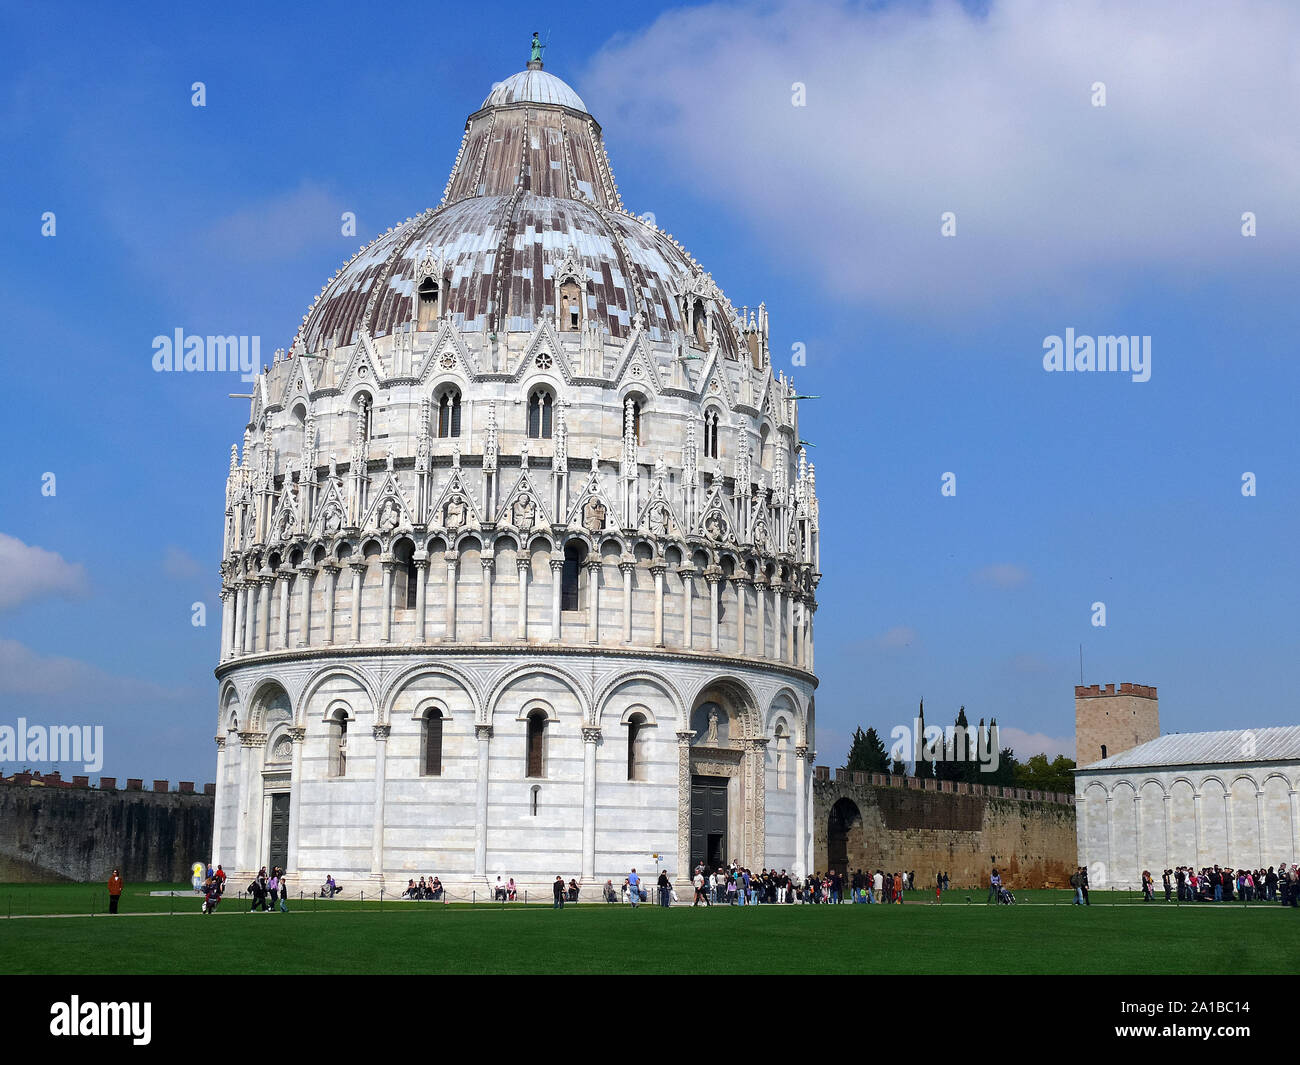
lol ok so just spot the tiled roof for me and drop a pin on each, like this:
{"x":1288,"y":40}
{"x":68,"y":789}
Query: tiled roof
{"x":1210,"y":748}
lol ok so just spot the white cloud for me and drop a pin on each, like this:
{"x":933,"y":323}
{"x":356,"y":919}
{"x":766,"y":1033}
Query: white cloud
{"x":280,"y":227}
{"x":913,"y":112}
{"x":1002,"y":575}
{"x":34,"y":573}
{"x":180,"y":565}
{"x":24,"y":672}
{"x":1028,"y":744}
{"x":895,"y":639}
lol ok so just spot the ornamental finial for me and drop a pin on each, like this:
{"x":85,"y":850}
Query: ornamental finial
{"x":535,"y":56}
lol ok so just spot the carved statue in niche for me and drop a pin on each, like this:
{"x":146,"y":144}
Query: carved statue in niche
{"x":284,"y":529}
{"x":524,"y":512}
{"x":715,"y":527}
{"x":389,"y":516}
{"x":711,"y":737}
{"x":593,"y":515}
{"x":453,"y":514}
{"x":333,"y":521}
{"x":659,"y":518}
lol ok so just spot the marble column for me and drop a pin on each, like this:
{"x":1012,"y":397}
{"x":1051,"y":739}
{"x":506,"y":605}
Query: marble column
{"x":590,"y":738}
{"x":1199,"y":827}
{"x":386,"y":601}
{"x":483,"y":733}
{"x":1262,"y":834}
{"x":1169,"y":828}
{"x":625,"y":567}
{"x":684,"y":870}
{"x":593,"y":600}
{"x":792,"y":641}
{"x":801,"y":811}
{"x":1137,"y":834}
{"x":306,"y":578}
{"x":658,"y":570}
{"x":449,"y":635}
{"x":489,"y":568}
{"x":713,"y":578}
{"x":778,"y":621}
{"x":1110,"y":841}
{"x":740,"y":582}
{"x":760,"y":605}
{"x":380,"y":733}
{"x":218,"y":800}
{"x":283,"y":577}
{"x":331,"y":569}
{"x":249,"y":826}
{"x":1295,"y":820}
{"x":523,"y":564}
{"x":358,"y":571}
{"x":687,"y":574}
{"x":297,"y":734}
{"x":421,"y":595}
{"x":227,"y":620}
{"x":265,"y":581}
{"x":557,"y":584}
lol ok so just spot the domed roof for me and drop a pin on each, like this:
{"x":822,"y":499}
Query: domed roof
{"x":531,"y":198}
{"x":534,"y":87}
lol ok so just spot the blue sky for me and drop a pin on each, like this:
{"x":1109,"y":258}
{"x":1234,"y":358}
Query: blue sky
{"x":926,"y":350}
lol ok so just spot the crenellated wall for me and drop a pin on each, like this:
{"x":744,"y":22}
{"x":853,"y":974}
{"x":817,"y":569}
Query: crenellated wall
{"x":902,"y":825}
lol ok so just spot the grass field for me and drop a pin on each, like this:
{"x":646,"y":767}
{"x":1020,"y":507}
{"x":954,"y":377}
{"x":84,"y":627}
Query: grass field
{"x":1043,"y":934}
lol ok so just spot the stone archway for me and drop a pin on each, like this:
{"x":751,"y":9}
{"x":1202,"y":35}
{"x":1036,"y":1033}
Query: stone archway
{"x":843,"y":834}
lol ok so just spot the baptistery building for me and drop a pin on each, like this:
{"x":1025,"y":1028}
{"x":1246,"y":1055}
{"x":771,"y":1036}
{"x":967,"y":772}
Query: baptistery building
{"x":521,"y":548}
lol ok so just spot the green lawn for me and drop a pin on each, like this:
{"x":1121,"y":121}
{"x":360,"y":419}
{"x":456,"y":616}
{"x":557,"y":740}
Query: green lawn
{"x":1044,"y":934}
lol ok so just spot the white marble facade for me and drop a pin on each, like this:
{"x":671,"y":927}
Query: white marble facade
{"x":1194,"y":799}
{"x":483,"y":494}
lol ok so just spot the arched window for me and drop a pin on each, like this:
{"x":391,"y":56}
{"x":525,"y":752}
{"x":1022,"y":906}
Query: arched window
{"x":711,"y":434}
{"x":635,"y":747}
{"x":365,"y":417}
{"x":570,"y":307}
{"x":765,"y":447}
{"x":428,"y":298}
{"x":699,"y":324}
{"x":635,"y":406}
{"x":574,"y":553}
{"x":338,"y":741}
{"x":782,"y":744}
{"x":405,"y":582}
{"x":537,"y":744}
{"x":449,"y":413}
{"x":1103,"y":750}
{"x":432,"y":725}
{"x":540,"y":407}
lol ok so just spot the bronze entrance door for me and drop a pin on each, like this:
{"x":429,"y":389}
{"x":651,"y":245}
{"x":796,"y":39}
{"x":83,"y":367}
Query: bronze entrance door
{"x":709,"y":822}
{"x":279,"y":831}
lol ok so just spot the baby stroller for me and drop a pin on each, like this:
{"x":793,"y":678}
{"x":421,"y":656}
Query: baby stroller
{"x":211,"y":895}
{"x":1005,"y":898}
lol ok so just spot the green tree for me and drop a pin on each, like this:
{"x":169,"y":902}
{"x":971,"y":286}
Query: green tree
{"x":867,"y":752}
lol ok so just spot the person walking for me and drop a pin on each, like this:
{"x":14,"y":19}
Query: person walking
{"x":115,"y":886}
{"x":665,"y":889}
{"x":634,"y":888}
{"x":995,"y":882}
{"x":700,"y":893}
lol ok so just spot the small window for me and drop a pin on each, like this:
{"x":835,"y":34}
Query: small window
{"x":1103,"y":750}
{"x":338,"y":734}
{"x":699,"y":324}
{"x":540,"y":409}
{"x":574,"y":553}
{"x":405,"y":575}
{"x":711,"y":434}
{"x":433,"y":742}
{"x":428,"y":298}
{"x":635,"y":744}
{"x":570,"y":307}
{"x":537,"y":743}
{"x":449,"y":414}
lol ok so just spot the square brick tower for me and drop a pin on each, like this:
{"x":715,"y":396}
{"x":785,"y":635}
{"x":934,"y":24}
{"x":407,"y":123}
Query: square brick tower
{"x":1107,"y":721}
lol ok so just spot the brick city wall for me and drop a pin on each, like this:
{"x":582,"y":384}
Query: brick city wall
{"x":934,"y":826}
{"x":57,"y":830}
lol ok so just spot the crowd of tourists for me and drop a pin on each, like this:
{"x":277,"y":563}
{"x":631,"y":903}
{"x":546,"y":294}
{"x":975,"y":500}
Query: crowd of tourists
{"x":430,"y":890}
{"x":1216,"y":884}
